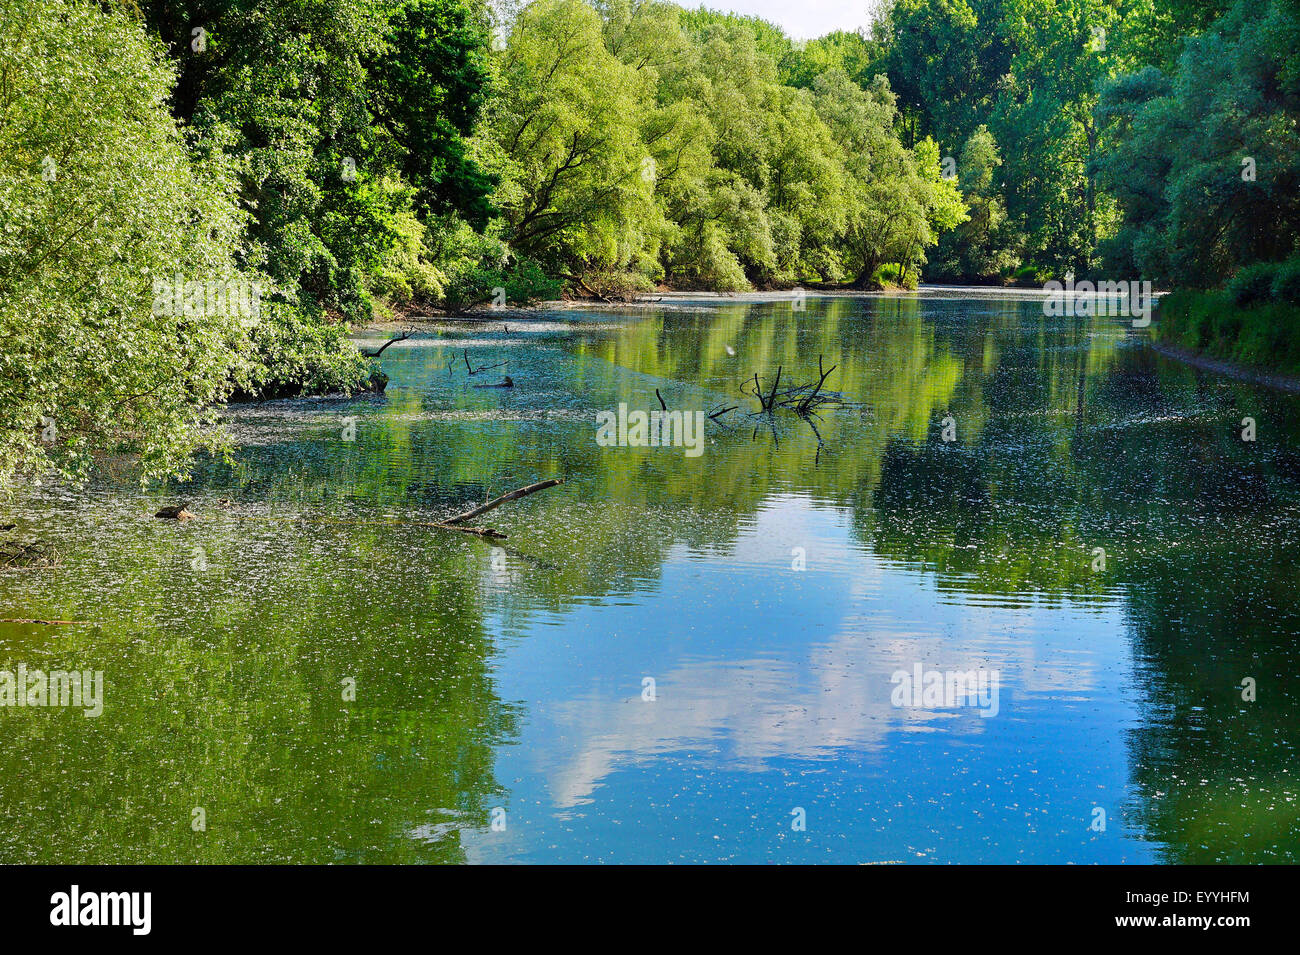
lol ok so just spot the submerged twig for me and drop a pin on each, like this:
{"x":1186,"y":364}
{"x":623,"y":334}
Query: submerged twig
{"x":48,"y":623}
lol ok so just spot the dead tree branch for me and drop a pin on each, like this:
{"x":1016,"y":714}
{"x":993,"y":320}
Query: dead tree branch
{"x":400,"y":338}
{"x":497,"y":502}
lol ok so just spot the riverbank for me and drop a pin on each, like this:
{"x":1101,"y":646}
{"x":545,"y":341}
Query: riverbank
{"x":1253,"y":335}
{"x":488,"y":315}
{"x":1256,"y":376}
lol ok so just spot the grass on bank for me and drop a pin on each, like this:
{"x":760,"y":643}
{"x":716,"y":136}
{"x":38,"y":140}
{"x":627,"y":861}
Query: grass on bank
{"x":1253,"y":320}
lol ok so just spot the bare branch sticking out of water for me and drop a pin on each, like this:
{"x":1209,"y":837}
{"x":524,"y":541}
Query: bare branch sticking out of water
{"x":803,"y":400}
{"x":399,"y":338}
{"x":474,"y":371}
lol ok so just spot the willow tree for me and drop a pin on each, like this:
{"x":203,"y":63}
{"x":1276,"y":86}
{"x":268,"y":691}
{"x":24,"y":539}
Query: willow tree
{"x":101,"y":200}
{"x":578,"y":190}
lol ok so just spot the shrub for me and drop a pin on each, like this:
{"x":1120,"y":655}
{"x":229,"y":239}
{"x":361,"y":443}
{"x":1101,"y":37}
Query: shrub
{"x":1286,"y":283}
{"x":888,"y":275}
{"x":1252,"y":285}
{"x":406,"y":275}
{"x":1029,"y":275}
{"x":526,"y":282}
{"x":296,"y":354}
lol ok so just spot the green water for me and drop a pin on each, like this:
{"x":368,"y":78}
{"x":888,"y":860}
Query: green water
{"x":506,"y":682}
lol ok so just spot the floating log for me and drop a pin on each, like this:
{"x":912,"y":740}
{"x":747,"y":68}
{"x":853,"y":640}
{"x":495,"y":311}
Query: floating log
{"x":48,"y":623}
{"x":493,"y":504}
{"x":451,"y":523}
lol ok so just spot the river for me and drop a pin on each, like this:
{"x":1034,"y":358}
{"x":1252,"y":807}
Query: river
{"x":688,"y":657}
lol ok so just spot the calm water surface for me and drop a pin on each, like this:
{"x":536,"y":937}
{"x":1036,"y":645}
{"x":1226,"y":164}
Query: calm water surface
{"x":506,"y":681}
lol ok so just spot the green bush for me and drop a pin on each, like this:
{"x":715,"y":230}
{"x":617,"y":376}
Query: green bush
{"x":523,"y":282}
{"x":526,"y":282}
{"x":888,"y":276}
{"x":406,"y":275}
{"x":1286,"y":283}
{"x":295,"y":354}
{"x":1029,"y":275}
{"x":1265,"y":335}
{"x":1252,"y":285}
{"x":617,"y":283}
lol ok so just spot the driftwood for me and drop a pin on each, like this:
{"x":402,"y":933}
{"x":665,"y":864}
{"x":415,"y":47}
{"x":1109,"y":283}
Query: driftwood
{"x":582,"y":283}
{"x":20,"y":554}
{"x":474,"y":371}
{"x":48,"y":623}
{"x":802,"y":399}
{"x":451,"y":523}
{"x":493,"y":504}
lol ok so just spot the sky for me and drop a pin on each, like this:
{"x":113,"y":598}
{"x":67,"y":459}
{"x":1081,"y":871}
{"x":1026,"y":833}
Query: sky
{"x":801,"y":19}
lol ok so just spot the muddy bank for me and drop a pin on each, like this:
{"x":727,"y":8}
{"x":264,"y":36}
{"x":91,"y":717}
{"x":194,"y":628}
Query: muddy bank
{"x":1256,"y":376}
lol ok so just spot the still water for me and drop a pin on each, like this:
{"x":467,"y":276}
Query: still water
{"x":504,"y":709}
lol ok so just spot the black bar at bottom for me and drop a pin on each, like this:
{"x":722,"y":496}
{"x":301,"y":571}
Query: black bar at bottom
{"x":339,"y":904}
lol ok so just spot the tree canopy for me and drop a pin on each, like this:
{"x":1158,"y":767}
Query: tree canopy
{"x":348,"y":158}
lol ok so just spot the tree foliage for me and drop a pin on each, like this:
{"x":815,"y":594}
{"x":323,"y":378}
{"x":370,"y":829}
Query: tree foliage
{"x":102,"y":198}
{"x":705,"y":149}
{"x":348,"y":156}
{"x":1207,"y":161}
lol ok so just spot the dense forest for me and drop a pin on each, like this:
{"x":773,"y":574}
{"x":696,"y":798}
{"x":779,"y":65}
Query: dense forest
{"x":199,"y":197}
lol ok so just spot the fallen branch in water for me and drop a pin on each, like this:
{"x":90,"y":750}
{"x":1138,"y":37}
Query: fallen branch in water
{"x":582,"y":283}
{"x":497,"y":502}
{"x":17,"y":554}
{"x":449,"y":524}
{"x":48,"y":623}
{"x":803,"y":399}
{"x":474,"y":371}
